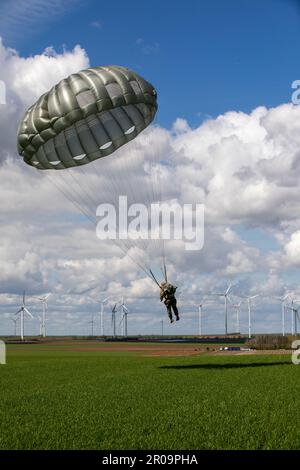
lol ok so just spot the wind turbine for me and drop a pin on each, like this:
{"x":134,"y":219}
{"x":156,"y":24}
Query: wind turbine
{"x":248,"y":299}
{"x":225,"y":295}
{"x":41,"y":325}
{"x":43,"y":319}
{"x":22,"y":312}
{"x":200,"y":316}
{"x":296,"y":319}
{"x":295,"y":316}
{"x":283,"y":307}
{"x":237,"y":307}
{"x":102,"y":303}
{"x":125,"y":312}
{"x":113,"y":318}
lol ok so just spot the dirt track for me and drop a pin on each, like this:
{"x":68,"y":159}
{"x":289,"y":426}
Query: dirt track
{"x":146,"y":349}
{"x":150,"y":349}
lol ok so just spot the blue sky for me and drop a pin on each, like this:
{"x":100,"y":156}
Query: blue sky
{"x":205,"y":57}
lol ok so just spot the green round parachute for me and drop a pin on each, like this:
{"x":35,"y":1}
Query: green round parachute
{"x":86,"y":116}
{"x":89,"y":115}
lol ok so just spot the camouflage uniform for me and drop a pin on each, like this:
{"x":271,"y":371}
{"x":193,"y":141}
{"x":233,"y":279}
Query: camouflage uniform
{"x":167,"y":295}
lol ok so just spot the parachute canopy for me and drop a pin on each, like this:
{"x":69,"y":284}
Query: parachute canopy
{"x":89,"y":115}
{"x":86,"y":116}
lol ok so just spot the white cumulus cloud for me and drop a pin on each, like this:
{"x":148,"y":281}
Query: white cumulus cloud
{"x":243,"y":167}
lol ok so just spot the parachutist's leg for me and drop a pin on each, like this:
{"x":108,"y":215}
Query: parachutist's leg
{"x":175,"y":310}
{"x":169,"y":310}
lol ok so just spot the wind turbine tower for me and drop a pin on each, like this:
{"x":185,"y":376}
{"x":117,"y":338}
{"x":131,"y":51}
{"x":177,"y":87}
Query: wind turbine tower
{"x":225,"y":295}
{"x":249,"y":298}
{"x":237,"y":308}
{"x":200,"y":317}
{"x":113,"y":319}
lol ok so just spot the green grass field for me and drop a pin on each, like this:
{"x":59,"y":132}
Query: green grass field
{"x":113,"y":400}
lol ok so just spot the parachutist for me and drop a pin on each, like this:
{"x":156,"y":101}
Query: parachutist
{"x":167,"y":295}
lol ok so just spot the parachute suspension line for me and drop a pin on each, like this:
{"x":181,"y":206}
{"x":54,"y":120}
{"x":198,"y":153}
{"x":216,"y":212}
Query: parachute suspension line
{"x":91,"y":207}
{"x":113,"y":190}
{"x":82,"y":188}
{"x":149,"y":165}
{"x":136,"y":188}
{"x":162,"y":246}
{"x":91,"y":185}
{"x":75,"y":192}
{"x":126,"y":245}
{"x":153,"y":277}
{"x":165,"y":269}
{"x":71,"y":199}
{"x":79,"y":191}
{"x":158,"y":185}
{"x":156,"y":200}
{"x":127,"y":178}
{"x":92,"y":220}
{"x":145,"y":155}
{"x":151,"y":188}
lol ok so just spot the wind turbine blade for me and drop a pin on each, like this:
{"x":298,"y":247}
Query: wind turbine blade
{"x":28,"y":313}
{"x":47,"y":296}
{"x":228,"y":288}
